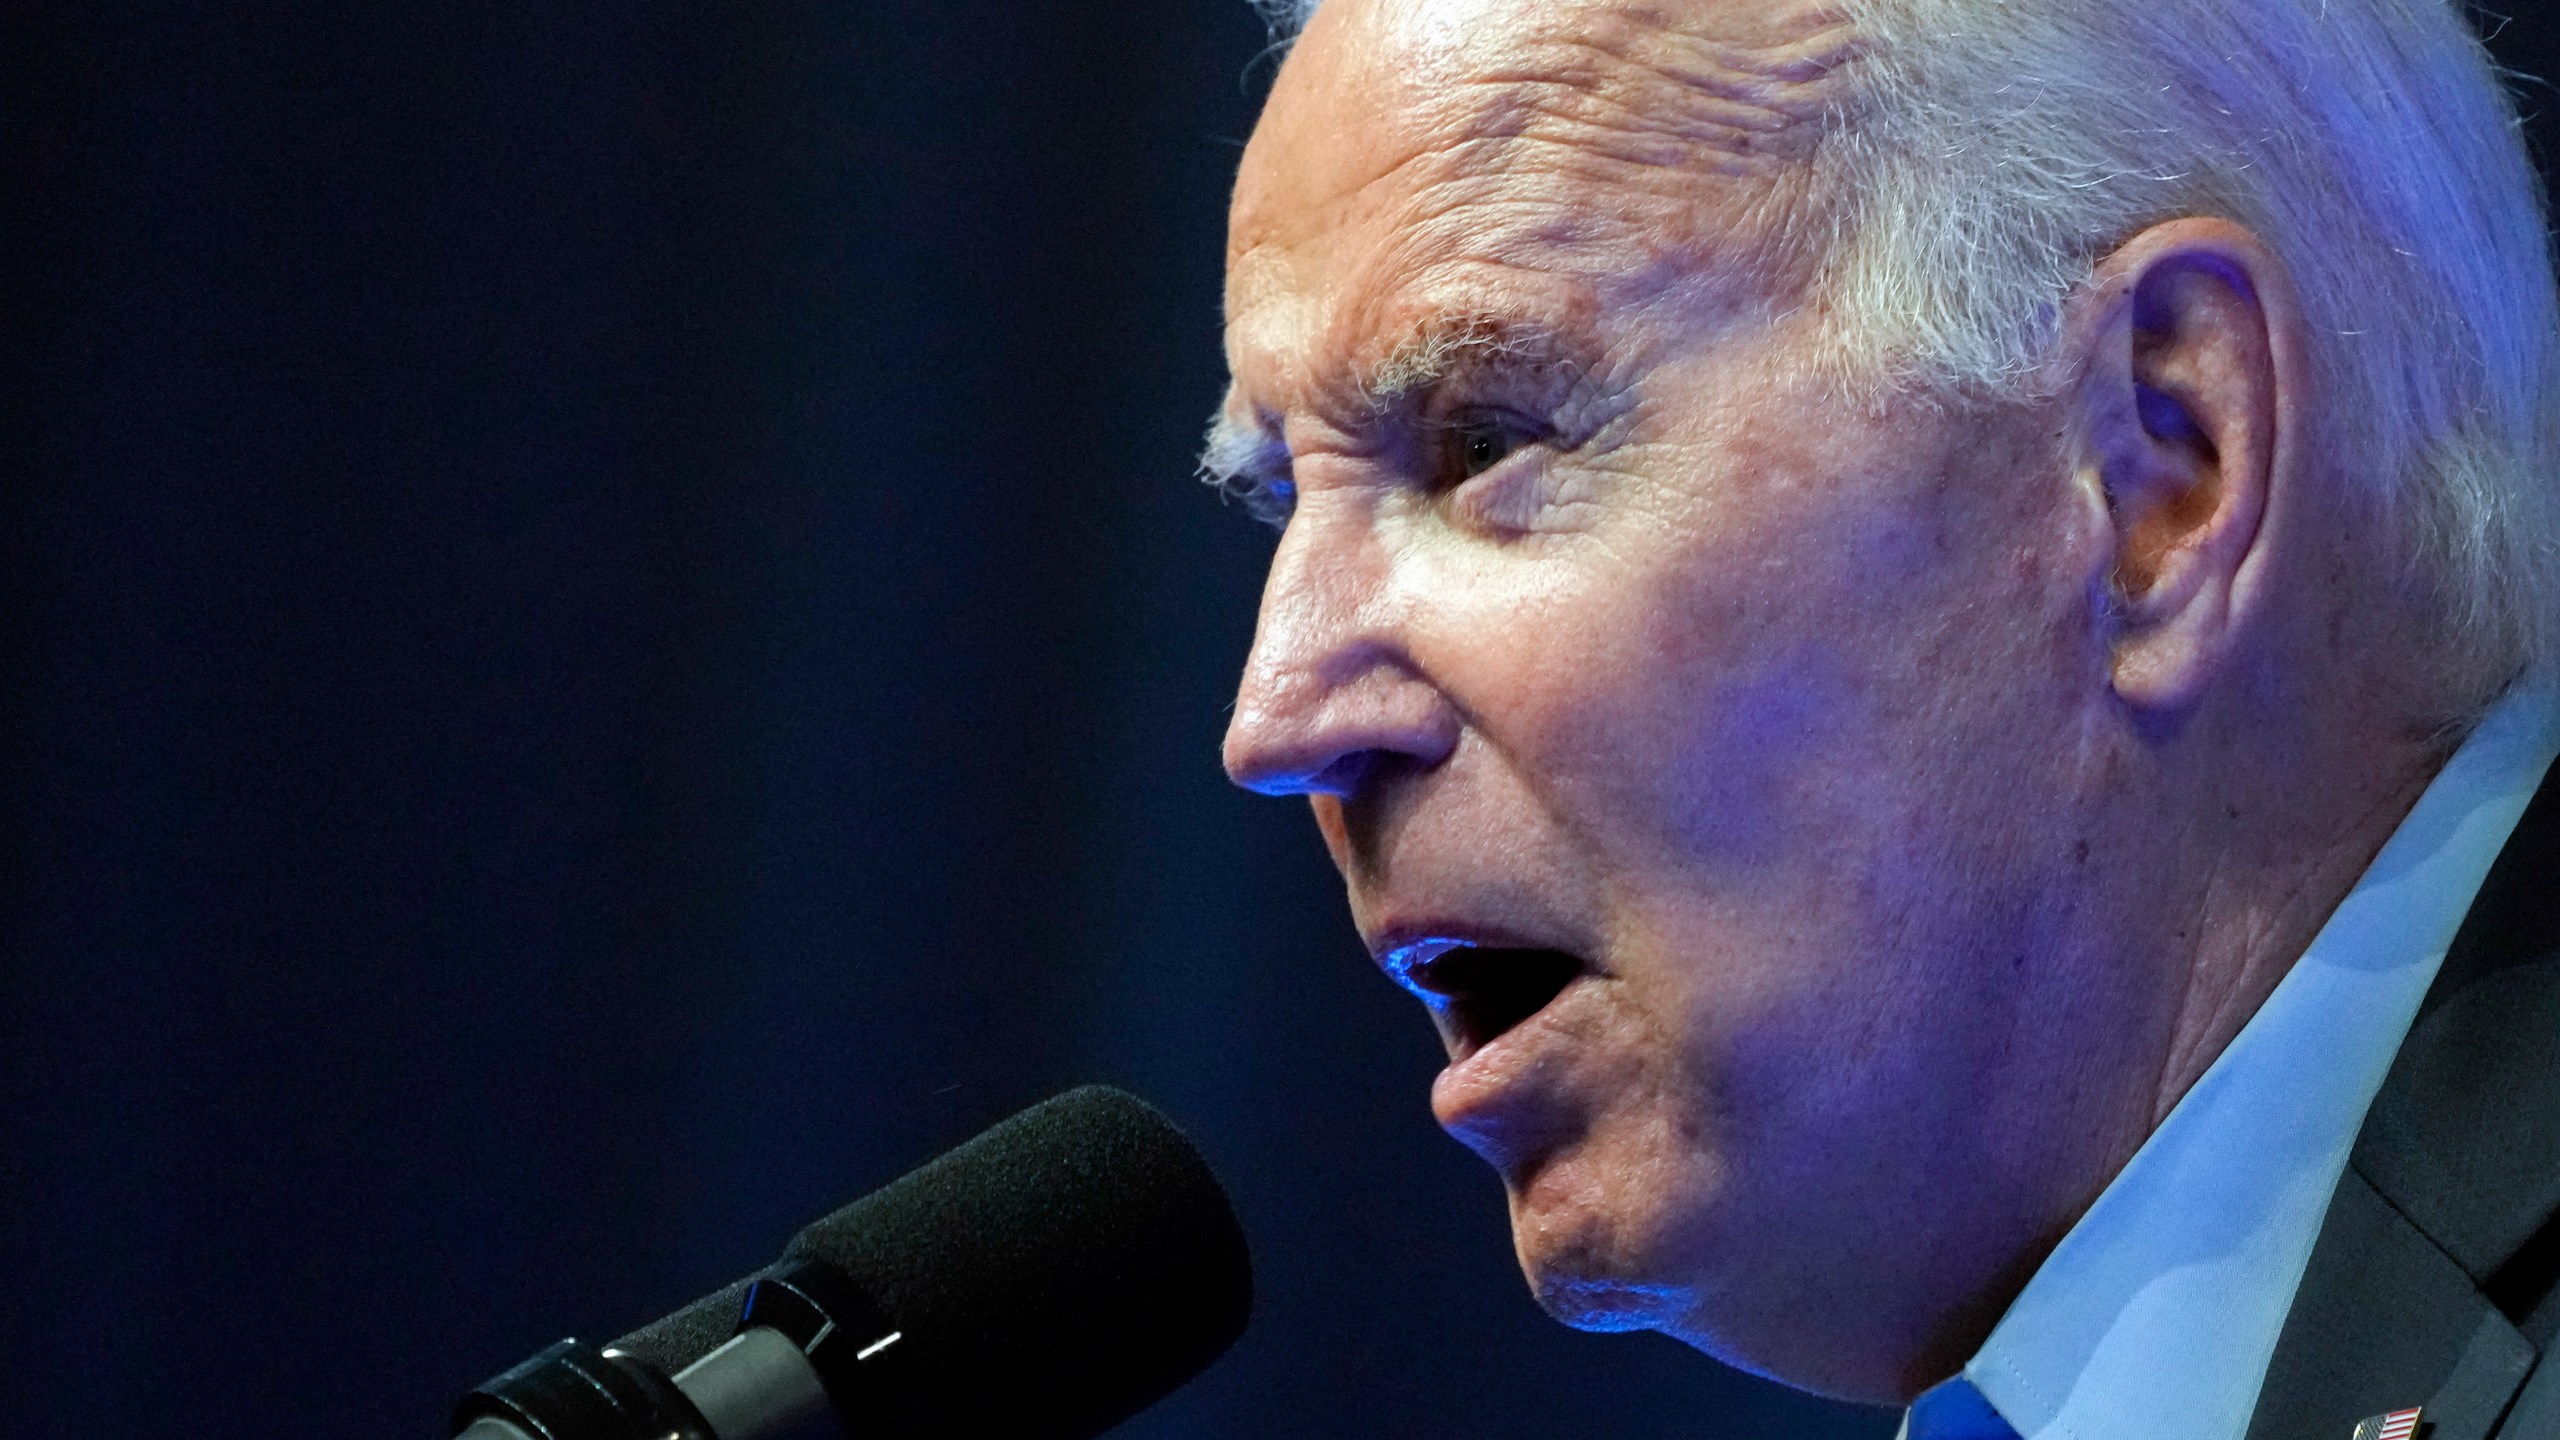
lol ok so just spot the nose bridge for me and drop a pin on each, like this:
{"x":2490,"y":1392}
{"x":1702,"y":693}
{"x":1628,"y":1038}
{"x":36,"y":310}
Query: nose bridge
{"x":1313,"y":632}
{"x":1327,"y":681}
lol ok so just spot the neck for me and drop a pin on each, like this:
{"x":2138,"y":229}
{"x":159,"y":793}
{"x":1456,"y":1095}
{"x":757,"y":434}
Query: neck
{"x":2225,"y":847}
{"x":2273,"y":830}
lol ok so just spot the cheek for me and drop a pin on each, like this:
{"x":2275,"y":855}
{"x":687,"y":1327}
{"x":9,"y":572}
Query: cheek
{"x":1329,"y":823}
{"x":1693,"y":705}
{"x":1359,"y":873}
{"x":1758,"y":680}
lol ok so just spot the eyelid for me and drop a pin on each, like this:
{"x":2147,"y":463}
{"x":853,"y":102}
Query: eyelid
{"x":1471,"y":415}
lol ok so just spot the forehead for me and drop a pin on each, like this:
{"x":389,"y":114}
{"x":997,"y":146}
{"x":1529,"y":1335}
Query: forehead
{"x":1417,"y":151}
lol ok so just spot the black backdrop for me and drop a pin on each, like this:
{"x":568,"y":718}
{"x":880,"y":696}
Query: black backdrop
{"x":607,"y":642}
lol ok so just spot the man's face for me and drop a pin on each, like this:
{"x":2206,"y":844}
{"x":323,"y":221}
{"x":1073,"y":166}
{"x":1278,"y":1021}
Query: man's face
{"x":1705,"y":749}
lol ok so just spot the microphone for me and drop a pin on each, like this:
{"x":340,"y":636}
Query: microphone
{"x":1046,"y":1280}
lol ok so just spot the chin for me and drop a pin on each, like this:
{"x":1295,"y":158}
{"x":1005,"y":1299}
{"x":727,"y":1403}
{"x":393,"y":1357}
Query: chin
{"x":1593,"y":1269}
{"x":1608,"y":1258}
{"x":1599,"y":1271}
{"x":1608,"y":1306}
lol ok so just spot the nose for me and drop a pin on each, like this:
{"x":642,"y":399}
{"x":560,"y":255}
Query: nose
{"x":1331,"y":692}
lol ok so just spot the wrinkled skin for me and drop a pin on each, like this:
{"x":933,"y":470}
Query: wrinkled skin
{"x":1911,"y":877}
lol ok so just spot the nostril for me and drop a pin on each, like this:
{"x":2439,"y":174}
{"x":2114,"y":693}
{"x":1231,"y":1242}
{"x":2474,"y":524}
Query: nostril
{"x":1305,"y":764}
{"x":1271,"y":772}
{"x":1344,"y":775}
{"x":1331,"y":738}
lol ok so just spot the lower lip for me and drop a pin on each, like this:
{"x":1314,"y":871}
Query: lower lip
{"x":1503,"y":1074}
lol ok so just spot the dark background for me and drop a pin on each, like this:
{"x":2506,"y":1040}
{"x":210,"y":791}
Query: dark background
{"x":608,"y":642}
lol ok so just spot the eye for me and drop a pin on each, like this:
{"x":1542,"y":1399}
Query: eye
{"x":1477,"y":443}
{"x":1481,"y":447}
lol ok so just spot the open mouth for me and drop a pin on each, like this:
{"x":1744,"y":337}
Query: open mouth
{"x":1479,"y":992}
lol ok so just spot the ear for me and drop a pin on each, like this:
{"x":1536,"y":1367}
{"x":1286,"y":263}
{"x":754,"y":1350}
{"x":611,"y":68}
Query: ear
{"x":2190,"y":370}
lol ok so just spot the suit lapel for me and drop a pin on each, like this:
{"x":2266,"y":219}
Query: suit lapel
{"x":2434,"y":1245}
{"x":2383,"y":1321}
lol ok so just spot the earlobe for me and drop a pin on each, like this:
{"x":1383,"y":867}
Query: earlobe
{"x":2183,"y":388}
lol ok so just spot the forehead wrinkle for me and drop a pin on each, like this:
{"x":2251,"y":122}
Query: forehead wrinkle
{"x":1578,"y":157}
{"x":1526,"y":282}
{"x":1583,"y":221}
{"x":1604,"y":92}
{"x":1597,"y":249}
{"x":1605,"y":136}
{"x":1634,"y":91}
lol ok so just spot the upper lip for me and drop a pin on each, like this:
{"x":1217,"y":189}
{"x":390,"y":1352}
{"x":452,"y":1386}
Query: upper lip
{"x":1478,"y":982}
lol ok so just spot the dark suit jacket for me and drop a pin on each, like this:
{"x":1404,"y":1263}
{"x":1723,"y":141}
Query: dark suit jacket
{"x":2432,"y":1281}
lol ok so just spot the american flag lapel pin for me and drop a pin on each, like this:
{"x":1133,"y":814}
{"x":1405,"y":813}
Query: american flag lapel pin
{"x":2398,"y":1425}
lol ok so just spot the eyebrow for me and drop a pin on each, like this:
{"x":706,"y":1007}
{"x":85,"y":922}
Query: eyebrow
{"x":1249,"y":463}
{"x":1452,"y":343}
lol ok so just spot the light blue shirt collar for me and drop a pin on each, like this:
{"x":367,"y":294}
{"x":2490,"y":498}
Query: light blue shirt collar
{"x":2167,"y":1297}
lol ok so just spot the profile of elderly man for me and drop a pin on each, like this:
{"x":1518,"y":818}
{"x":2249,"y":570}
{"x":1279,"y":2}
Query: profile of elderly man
{"x":1918,"y":622}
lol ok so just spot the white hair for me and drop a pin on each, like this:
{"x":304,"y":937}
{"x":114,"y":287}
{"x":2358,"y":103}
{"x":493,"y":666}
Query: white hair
{"x":1987,"y":152}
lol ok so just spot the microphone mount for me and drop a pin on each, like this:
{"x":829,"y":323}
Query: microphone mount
{"x":809,"y":1349}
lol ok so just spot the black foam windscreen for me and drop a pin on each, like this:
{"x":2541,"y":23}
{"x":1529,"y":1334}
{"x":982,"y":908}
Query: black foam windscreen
{"x":1051,"y":1278}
